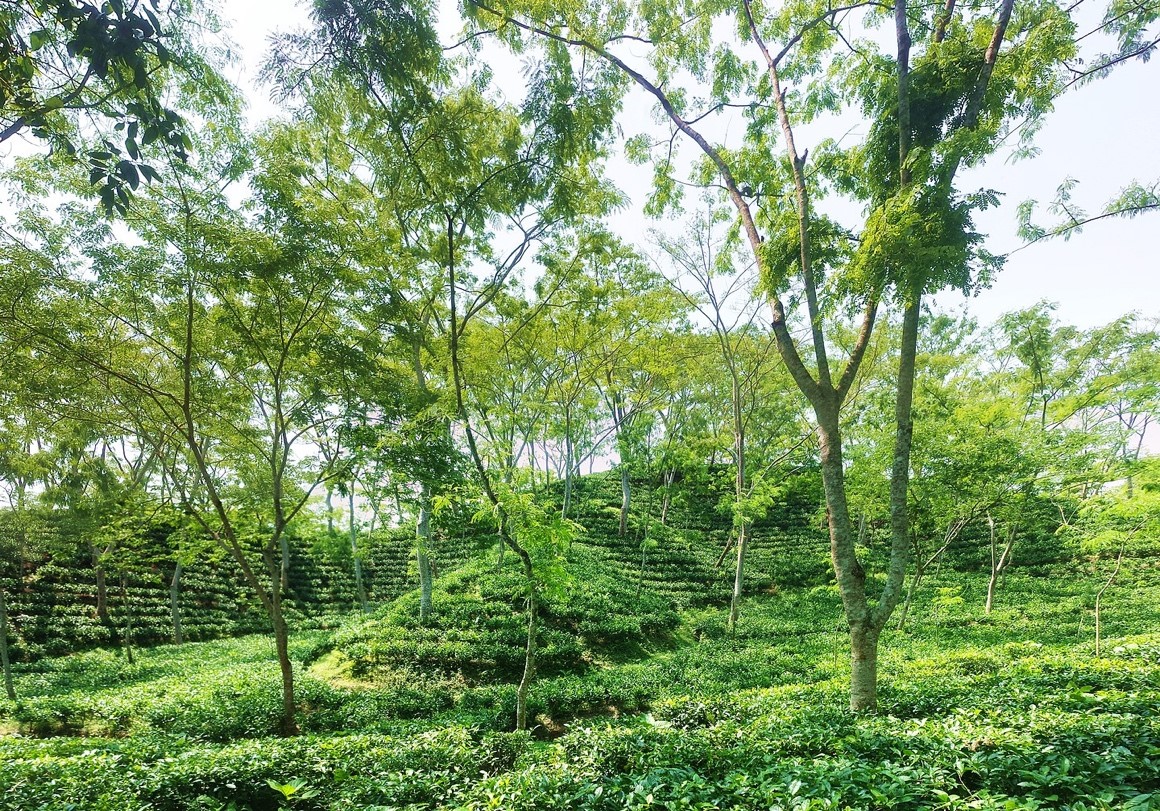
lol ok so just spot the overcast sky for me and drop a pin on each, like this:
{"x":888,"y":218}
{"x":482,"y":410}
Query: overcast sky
{"x":1103,"y":135}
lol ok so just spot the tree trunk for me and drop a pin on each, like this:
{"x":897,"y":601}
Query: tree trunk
{"x":5,"y":664}
{"x":284,"y":544}
{"x":848,"y":569}
{"x":643,"y":560}
{"x":422,"y":547}
{"x":102,"y":591}
{"x":998,"y":564}
{"x":668,"y":477}
{"x":175,"y":604}
{"x":329,"y":502}
{"x":738,"y":494}
{"x":625,"y":498}
{"x":568,"y":451}
{"x":278,"y":578}
{"x":863,"y":668}
{"x":530,"y":648}
{"x":738,"y":576}
{"x":359,"y":586}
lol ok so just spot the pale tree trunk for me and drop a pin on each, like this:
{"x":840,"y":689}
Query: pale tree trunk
{"x":739,"y":492}
{"x":625,"y":498}
{"x":279,"y":574}
{"x":485,"y":482}
{"x":619,"y":420}
{"x":359,"y":586}
{"x":329,"y":502}
{"x":530,"y":646}
{"x":738,"y":575}
{"x":284,"y":545}
{"x":422,"y":554}
{"x":175,"y":604}
{"x":922,"y":563}
{"x":667,"y":478}
{"x":568,"y":453}
{"x":5,"y":664}
{"x":999,"y":561}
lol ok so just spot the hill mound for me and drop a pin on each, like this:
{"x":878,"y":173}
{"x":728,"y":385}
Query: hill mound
{"x":476,"y":633}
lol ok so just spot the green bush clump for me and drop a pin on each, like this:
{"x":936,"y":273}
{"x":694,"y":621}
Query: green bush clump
{"x":478,"y":629}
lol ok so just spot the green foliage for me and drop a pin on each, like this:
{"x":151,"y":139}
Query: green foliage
{"x":1006,"y":711}
{"x":478,"y":628}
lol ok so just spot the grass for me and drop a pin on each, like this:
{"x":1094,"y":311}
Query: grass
{"x":1011,"y":710}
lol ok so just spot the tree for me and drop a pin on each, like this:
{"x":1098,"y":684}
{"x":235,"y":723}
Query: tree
{"x":70,"y":68}
{"x":939,"y":99}
{"x":745,"y":353}
{"x":223,"y":339}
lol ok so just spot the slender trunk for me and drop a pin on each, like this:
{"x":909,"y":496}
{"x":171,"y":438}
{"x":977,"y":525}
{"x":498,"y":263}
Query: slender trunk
{"x":643,"y":559}
{"x":5,"y":664}
{"x":278,"y":579}
{"x":999,"y":562}
{"x":1100,"y":596}
{"x":905,"y":610}
{"x":739,"y":494}
{"x":175,"y":604}
{"x":848,"y":569}
{"x":102,"y":590}
{"x":284,"y":547}
{"x":900,"y":469}
{"x":568,"y":451}
{"x":359,"y":586}
{"x":127,"y":633}
{"x":530,"y":648}
{"x":668,"y":477}
{"x":724,"y":552}
{"x":735,"y":603}
{"x":422,"y":547}
{"x":329,"y":502}
{"x":625,"y":498}
{"x":485,"y":482}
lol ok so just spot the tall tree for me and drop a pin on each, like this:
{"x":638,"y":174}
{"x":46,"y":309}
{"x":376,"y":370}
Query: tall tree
{"x":938,"y":98}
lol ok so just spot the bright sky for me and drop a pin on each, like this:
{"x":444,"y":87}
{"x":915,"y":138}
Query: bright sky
{"x":1104,"y":135}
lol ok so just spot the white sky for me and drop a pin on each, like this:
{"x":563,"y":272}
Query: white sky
{"x":1104,"y":135}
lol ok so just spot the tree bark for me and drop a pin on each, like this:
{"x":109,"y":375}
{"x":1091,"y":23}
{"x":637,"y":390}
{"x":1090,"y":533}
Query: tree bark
{"x":422,"y":546}
{"x":530,"y":648}
{"x":278,"y":577}
{"x":998,"y":564}
{"x":668,"y":477}
{"x":5,"y":664}
{"x":739,"y":484}
{"x":485,"y":482}
{"x":738,"y":577}
{"x":359,"y":586}
{"x":863,"y":667}
{"x":568,"y":452}
{"x":625,"y":498}
{"x":175,"y":604}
